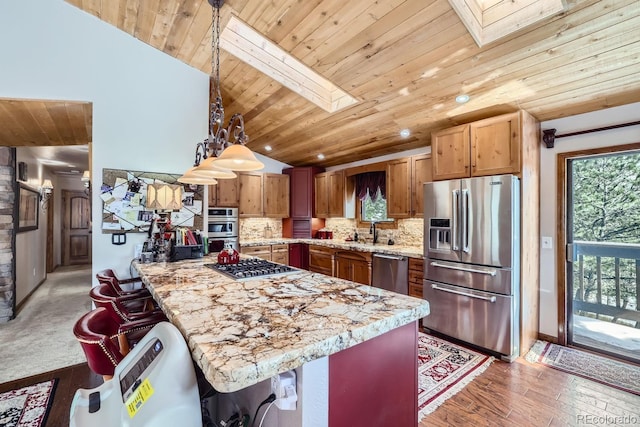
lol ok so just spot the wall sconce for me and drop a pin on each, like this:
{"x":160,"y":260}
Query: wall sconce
{"x":86,"y":180}
{"x":46,"y":191}
{"x":164,"y":197}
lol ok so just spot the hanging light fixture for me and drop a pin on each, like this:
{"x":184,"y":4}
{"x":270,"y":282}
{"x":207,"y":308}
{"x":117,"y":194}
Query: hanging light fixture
{"x":224,"y":149}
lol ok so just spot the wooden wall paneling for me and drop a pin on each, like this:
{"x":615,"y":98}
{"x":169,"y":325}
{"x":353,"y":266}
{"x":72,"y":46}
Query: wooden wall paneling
{"x":530,"y":232}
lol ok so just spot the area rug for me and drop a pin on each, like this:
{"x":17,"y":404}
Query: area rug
{"x":27,"y":406}
{"x":606,"y":371}
{"x":443,"y":370}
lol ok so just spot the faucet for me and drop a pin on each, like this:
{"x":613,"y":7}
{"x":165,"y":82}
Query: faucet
{"x":372,"y":230}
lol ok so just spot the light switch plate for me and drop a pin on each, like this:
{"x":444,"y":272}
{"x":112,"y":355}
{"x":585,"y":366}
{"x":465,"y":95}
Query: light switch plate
{"x":547,"y":242}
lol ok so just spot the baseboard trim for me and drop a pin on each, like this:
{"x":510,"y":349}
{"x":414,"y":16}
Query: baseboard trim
{"x":548,"y":338}
{"x":23,"y":302}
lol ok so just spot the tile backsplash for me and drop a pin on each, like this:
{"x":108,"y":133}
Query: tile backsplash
{"x":254,"y":228}
{"x":408,"y":233}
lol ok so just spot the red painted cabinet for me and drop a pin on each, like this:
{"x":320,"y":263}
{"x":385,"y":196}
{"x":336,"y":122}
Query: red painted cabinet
{"x":300,"y":223}
{"x":299,"y":255}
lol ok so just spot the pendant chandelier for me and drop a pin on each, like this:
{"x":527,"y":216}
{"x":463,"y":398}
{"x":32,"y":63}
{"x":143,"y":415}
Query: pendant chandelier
{"x":224,"y":149}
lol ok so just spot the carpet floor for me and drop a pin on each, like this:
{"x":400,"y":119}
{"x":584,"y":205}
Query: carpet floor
{"x":444,"y":369}
{"x":40,"y":338}
{"x":623,"y":376}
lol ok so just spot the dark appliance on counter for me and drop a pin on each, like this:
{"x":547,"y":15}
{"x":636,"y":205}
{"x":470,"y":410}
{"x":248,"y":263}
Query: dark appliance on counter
{"x":472,"y":261}
{"x":252,"y":268}
{"x":222,"y":229}
{"x":180,"y":252}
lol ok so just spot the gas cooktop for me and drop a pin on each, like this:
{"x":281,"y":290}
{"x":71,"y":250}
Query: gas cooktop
{"x":251,"y":268}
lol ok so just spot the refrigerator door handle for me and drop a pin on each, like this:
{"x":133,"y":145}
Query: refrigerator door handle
{"x":451,"y":291}
{"x":489,"y":272}
{"x":465,"y":221}
{"x":454,"y":226}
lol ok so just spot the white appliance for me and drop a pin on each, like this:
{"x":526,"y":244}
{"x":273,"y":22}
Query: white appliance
{"x":153,"y":386}
{"x":472,"y":261}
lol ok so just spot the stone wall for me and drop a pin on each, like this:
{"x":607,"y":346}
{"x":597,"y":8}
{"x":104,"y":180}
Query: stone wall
{"x":7,"y":233}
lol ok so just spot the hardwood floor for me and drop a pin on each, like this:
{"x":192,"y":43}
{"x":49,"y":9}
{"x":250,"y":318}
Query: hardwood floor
{"x":526,"y":394}
{"x":506,"y":394}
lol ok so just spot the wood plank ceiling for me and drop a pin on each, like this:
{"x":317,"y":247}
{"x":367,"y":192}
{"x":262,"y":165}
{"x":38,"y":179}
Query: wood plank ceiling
{"x":404,"y":60}
{"x":33,"y":123}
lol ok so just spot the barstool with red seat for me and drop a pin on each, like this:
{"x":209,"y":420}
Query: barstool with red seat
{"x":105,"y":341}
{"x":126,"y":308}
{"x":107,"y":276}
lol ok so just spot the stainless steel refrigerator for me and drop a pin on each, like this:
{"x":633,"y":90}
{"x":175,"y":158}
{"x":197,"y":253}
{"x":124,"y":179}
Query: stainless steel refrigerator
{"x":472,"y":261}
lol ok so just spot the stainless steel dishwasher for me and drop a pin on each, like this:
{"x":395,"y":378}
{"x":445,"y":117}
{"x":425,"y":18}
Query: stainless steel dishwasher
{"x":390,"y":272}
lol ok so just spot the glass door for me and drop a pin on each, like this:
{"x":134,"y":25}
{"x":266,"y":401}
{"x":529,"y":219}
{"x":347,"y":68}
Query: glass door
{"x":603,"y":253}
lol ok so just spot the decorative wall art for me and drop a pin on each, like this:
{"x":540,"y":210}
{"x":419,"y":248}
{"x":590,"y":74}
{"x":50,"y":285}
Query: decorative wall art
{"x":124,"y":201}
{"x":28,"y":211}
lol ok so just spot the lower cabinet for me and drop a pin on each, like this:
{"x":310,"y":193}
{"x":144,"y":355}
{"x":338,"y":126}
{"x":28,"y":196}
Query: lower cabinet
{"x":299,"y":255}
{"x":280,"y":253}
{"x":416,"y":274}
{"x":277,"y":253}
{"x":321,"y":259}
{"x":262,"y":251}
{"x":354,"y":266}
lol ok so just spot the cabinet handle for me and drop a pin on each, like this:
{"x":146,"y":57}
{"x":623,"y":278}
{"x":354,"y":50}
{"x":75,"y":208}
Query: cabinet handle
{"x":490,"y":272}
{"x":464,"y":294}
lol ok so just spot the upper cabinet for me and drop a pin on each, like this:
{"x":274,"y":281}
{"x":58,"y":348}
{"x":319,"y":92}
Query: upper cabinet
{"x":335,"y":195}
{"x":404,"y":185}
{"x":263,"y":195}
{"x":486,"y":147}
{"x":224,"y":193}
{"x":276,"y":195}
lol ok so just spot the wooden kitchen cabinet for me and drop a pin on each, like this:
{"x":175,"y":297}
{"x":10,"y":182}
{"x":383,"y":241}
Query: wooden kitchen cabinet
{"x":263,"y":195}
{"x":262,"y":251}
{"x":250,"y":194}
{"x":280,"y":253}
{"x":224,"y":193}
{"x":416,"y":274}
{"x":335,"y":195}
{"x":322,"y":195}
{"x":321,"y":259}
{"x":491,"y":146}
{"x":276,"y":195}
{"x":354,"y":266}
{"x":405,"y":179}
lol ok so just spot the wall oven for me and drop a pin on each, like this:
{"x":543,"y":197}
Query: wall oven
{"x":222,"y":228}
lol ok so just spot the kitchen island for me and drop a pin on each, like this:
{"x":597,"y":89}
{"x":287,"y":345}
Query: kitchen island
{"x":353,"y":347}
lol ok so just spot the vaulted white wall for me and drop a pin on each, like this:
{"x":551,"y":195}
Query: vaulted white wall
{"x":148,"y":108}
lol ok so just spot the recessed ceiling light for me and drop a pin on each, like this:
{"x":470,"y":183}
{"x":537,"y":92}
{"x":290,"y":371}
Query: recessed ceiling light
{"x":321,"y":156}
{"x":405,"y":133}
{"x":461,"y":99}
{"x":268,"y":147}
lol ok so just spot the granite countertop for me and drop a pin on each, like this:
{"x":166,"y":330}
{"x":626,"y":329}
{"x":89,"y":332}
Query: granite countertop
{"x":244,"y":332}
{"x":410,"y":251}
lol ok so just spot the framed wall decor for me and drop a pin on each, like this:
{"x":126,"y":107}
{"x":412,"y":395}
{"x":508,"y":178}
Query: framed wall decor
{"x":124,"y":201}
{"x":28,"y":210}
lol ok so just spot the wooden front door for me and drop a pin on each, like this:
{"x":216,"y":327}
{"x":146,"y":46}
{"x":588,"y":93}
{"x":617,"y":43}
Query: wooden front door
{"x":76,"y":228}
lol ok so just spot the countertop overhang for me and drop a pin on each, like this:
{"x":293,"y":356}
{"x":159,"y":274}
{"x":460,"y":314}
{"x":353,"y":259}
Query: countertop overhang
{"x":244,"y":332}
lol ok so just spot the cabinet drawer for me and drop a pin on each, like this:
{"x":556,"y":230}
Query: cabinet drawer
{"x":256,"y":250}
{"x":280,"y":248}
{"x":280,"y":257}
{"x":321,"y":260}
